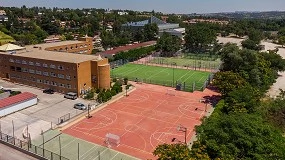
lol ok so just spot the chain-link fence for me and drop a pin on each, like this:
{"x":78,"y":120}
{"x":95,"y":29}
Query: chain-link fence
{"x":27,"y":146}
{"x":75,"y":113}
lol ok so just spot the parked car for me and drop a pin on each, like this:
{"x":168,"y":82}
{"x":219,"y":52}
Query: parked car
{"x":80,"y":106}
{"x":48,"y":91}
{"x":71,"y":95}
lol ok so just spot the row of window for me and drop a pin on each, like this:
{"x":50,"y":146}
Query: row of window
{"x":47,"y":82}
{"x":66,"y":48}
{"x":31,"y":63}
{"x":52,"y":74}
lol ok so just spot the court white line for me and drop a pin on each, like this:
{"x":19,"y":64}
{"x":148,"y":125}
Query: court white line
{"x":87,"y":152}
{"x":101,"y":153}
{"x":115,"y":156}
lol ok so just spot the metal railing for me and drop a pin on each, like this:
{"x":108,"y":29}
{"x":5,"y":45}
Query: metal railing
{"x":27,"y":146}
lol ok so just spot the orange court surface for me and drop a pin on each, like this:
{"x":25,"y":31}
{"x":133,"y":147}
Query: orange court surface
{"x":145,"y":118}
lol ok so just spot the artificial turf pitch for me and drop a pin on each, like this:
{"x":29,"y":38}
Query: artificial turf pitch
{"x":162,"y":75}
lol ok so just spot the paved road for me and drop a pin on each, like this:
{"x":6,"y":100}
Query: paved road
{"x":7,"y":153}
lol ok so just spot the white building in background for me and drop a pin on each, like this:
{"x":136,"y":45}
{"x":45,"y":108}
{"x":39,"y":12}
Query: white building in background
{"x":171,"y":28}
{"x":122,"y":13}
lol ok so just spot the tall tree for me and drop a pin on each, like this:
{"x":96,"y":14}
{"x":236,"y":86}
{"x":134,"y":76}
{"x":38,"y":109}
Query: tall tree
{"x":198,"y":38}
{"x":150,"y":31}
{"x":168,"y":45}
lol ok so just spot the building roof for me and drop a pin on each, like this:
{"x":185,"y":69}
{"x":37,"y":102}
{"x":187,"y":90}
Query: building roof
{"x":7,"y":102}
{"x":152,"y":19}
{"x":38,"y":51}
{"x":128,"y":47}
{"x":10,"y":47}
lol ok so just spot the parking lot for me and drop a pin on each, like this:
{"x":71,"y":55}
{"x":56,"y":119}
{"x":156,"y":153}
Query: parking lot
{"x":40,"y":117}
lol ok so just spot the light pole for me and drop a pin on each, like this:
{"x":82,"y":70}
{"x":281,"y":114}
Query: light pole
{"x":183,"y":129}
{"x":88,"y":111}
{"x":126,"y":91}
{"x":173,"y":73}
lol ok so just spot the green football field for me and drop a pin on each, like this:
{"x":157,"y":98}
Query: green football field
{"x":201,"y":65}
{"x":188,"y":79}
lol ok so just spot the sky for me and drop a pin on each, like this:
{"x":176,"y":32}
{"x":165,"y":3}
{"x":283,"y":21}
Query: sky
{"x":165,"y":6}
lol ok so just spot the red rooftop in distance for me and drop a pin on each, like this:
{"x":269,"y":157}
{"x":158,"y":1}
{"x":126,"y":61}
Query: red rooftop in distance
{"x":128,"y":47}
{"x":6,"y":102}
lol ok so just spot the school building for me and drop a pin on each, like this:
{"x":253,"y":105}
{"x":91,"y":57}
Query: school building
{"x":50,"y":65}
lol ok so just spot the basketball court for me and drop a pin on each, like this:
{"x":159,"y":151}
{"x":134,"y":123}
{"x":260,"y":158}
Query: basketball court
{"x":147,"y":117}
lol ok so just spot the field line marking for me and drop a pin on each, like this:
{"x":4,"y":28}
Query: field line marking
{"x":101,"y":153}
{"x":69,"y":143}
{"x":157,"y":73}
{"x":190,"y":76}
{"x":129,"y":70}
{"x":185,"y":74}
{"x":87,"y":152}
{"x":115,"y":155}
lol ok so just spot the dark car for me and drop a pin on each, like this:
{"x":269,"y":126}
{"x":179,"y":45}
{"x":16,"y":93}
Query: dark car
{"x":48,"y":91}
{"x":80,"y":106}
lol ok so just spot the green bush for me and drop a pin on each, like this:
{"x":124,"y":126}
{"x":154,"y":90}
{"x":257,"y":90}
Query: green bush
{"x":13,"y":93}
{"x":114,"y":80}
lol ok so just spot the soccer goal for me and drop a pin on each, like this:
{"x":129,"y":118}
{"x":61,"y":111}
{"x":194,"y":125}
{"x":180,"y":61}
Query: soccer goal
{"x":171,"y":92}
{"x":112,"y":140}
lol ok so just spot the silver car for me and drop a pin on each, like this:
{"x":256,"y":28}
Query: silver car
{"x":80,"y":106}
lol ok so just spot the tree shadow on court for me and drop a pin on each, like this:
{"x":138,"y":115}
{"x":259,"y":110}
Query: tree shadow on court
{"x":213,"y":88}
{"x":212,"y":100}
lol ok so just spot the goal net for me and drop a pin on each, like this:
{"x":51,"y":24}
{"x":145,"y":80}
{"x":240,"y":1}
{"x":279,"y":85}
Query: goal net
{"x":112,"y":139}
{"x":171,"y":92}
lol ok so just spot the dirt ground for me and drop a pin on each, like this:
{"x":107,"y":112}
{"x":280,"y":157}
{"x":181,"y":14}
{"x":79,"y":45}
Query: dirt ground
{"x":280,"y":82}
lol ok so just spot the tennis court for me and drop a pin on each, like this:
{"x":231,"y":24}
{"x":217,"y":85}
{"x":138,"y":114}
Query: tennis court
{"x":74,"y":148}
{"x":165,"y":76}
{"x":144,"y":119}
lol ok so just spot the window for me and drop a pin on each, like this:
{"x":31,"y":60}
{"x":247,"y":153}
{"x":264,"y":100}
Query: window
{"x":60,"y":76}
{"x":31,"y":71}
{"x":45,"y":65}
{"x":17,"y":61}
{"x":52,"y":66}
{"x":68,"y":86}
{"x":38,"y":72}
{"x":31,"y":63}
{"x":24,"y":70}
{"x":53,"y":83}
{"x":45,"y":74}
{"x":68,"y":77}
{"x":24,"y":62}
{"x":38,"y":64}
{"x":11,"y":60}
{"x":33,"y":79}
{"x":39,"y":81}
{"x":61,"y":85}
{"x":60,"y":67}
{"x":12,"y":68}
{"x":45,"y":81}
{"x":52,"y":74}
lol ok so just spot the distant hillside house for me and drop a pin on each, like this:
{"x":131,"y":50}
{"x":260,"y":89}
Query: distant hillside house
{"x":3,"y":17}
{"x":171,"y":28}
